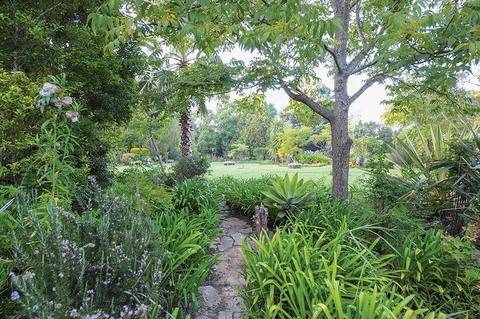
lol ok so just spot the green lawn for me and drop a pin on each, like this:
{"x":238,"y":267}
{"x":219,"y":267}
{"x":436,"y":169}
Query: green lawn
{"x":251,"y":169}
{"x":256,"y":169}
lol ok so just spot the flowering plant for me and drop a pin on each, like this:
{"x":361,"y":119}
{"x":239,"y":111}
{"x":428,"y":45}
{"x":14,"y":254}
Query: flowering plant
{"x":56,"y":142}
{"x":116,"y":261}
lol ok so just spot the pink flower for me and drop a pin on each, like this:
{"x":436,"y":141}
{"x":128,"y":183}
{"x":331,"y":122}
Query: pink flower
{"x":67,"y":100}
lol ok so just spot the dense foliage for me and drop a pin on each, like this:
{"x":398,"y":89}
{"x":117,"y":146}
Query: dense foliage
{"x":50,"y":38}
{"x":339,"y":260}
{"x":94,"y":87}
{"x":115,"y":258}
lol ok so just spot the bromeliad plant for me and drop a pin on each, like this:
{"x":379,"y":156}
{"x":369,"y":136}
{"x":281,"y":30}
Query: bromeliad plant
{"x":287,"y":195}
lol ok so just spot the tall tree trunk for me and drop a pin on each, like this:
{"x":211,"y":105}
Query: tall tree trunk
{"x":186,"y":134}
{"x":185,"y":122}
{"x":341,"y":142}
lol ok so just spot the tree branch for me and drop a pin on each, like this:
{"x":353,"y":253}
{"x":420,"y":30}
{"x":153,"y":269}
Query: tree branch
{"x":362,"y":67}
{"x":301,"y":97}
{"x":365,"y":86}
{"x":354,"y":4}
{"x":359,"y":23}
{"x":329,"y":50}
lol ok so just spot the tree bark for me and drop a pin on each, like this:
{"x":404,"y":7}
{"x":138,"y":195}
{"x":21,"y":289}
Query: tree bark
{"x":186,"y":135}
{"x":341,"y":144}
{"x":185,"y":122}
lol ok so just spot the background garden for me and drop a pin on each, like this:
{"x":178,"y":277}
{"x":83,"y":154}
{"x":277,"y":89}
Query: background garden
{"x":113,"y":169}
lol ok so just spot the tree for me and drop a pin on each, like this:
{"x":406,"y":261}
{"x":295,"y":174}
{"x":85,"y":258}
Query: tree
{"x":298,"y":114}
{"x":49,"y":37}
{"x":208,"y":140}
{"x":428,"y":40}
{"x":373,"y":129}
{"x":409,"y":107}
{"x":292,"y":141}
{"x":180,"y":77}
{"x":255,"y":116}
{"x":183,"y":79}
{"x":227,"y":125}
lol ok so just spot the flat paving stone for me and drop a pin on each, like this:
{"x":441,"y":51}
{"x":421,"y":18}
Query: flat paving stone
{"x":209,"y":295}
{"x":219,"y":298}
{"x":226,"y":242}
{"x":225,"y":315}
{"x":238,"y":238}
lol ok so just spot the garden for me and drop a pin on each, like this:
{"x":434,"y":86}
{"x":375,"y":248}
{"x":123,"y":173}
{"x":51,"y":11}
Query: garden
{"x":146,"y":172}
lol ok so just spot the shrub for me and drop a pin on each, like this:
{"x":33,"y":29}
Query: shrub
{"x":313,"y":159}
{"x":338,"y":260}
{"x":381,"y":188}
{"x":140,"y":151}
{"x":195,"y":196}
{"x":243,"y":194}
{"x":260,"y":153}
{"x":288,"y":276}
{"x":25,"y":122}
{"x":115,"y":261}
{"x":238,"y":151}
{"x":190,"y":167}
{"x":439,"y":270}
{"x":141,"y":186}
{"x":20,"y":122}
{"x":126,"y":158}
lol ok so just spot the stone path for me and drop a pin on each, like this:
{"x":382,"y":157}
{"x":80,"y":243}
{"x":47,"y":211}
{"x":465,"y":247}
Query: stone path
{"x":219,"y":297}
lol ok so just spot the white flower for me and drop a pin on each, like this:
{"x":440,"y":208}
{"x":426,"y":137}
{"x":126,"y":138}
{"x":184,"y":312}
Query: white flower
{"x":61,"y":275}
{"x":49,"y":89}
{"x":72,"y":115}
{"x":28,"y":276}
{"x":67,"y":100}
{"x":15,"y":295}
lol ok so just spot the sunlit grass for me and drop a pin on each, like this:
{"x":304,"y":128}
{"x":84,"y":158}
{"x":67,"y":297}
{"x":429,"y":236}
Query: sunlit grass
{"x":252,"y":169}
{"x":259,"y":168}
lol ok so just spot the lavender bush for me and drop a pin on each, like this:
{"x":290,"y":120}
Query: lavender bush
{"x":110,"y":262}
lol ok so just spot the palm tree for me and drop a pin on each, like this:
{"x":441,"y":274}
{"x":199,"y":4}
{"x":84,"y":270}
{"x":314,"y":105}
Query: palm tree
{"x":181,"y":81}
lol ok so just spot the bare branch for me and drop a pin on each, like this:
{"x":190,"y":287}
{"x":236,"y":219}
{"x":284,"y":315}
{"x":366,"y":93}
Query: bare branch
{"x":329,"y":50}
{"x":365,"y":86}
{"x":301,"y":97}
